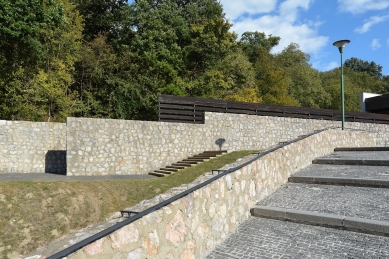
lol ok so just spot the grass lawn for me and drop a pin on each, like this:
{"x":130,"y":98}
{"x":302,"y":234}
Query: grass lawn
{"x":34,"y":213}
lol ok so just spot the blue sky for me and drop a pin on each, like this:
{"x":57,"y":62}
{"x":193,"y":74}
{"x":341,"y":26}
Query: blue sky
{"x":316,"y":24}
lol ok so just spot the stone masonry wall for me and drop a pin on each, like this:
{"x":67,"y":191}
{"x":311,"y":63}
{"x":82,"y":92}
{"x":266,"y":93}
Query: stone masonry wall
{"x":104,"y":146}
{"x":192,"y":226}
{"x":32,"y":147}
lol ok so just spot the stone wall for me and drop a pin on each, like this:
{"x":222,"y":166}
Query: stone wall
{"x":32,"y":147}
{"x":103,"y":146}
{"x":192,"y":226}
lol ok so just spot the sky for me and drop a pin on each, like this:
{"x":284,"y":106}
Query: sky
{"x":316,"y":24}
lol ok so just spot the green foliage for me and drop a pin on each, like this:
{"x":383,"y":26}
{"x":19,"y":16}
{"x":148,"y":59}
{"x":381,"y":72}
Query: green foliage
{"x":111,"y":59}
{"x":22,"y":21}
{"x":271,"y":81}
{"x":305,"y":84}
{"x":354,"y":84}
{"x":35,"y":84}
{"x":253,"y":43}
{"x":359,"y":65}
{"x":103,"y":17}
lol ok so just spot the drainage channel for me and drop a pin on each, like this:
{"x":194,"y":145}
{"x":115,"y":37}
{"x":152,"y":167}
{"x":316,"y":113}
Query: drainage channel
{"x":73,"y":248}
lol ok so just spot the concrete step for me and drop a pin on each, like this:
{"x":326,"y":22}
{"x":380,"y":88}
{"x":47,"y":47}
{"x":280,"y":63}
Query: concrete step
{"x":361,"y":209}
{"x":362,"y":149}
{"x":268,"y":238}
{"x":349,"y":201}
{"x":162,"y":171}
{"x":321,"y":216}
{"x":186,"y":163}
{"x":182,"y":164}
{"x":157,"y":174}
{"x":194,"y":160}
{"x":176,"y":166}
{"x":377,"y":183}
{"x":371,"y":158}
{"x":169,"y":169}
{"x":215,"y":152}
{"x":331,"y":161}
{"x":376,"y":227}
{"x":205,"y":155}
{"x":345,"y":171}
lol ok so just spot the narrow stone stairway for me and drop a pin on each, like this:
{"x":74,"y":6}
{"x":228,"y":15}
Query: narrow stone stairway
{"x":193,"y":160}
{"x":338,"y":207}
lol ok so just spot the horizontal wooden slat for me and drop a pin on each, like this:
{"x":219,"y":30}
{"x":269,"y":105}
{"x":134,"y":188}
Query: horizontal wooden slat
{"x":176,"y":106}
{"x":211,"y":109}
{"x":178,"y":117}
{"x":185,"y":112}
{"x":241,"y":111}
{"x":182,"y":121}
{"x":181,"y":108}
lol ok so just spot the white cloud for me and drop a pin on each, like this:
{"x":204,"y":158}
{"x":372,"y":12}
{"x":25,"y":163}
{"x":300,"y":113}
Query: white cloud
{"x":375,"y":44}
{"x":285,"y":24}
{"x":361,"y":6}
{"x":387,"y":41}
{"x":235,"y":9}
{"x":289,"y":9}
{"x":370,"y":22}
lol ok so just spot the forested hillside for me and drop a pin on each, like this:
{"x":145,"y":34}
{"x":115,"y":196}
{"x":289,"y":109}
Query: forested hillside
{"x":111,"y":59}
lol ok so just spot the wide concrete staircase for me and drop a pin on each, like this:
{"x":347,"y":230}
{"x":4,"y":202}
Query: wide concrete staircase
{"x":338,"y":207}
{"x":190,"y":161}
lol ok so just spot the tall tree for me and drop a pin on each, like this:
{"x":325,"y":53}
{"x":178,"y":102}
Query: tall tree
{"x":271,"y":81}
{"x":104,"y":17}
{"x":305,"y":83}
{"x":354,"y":84}
{"x":44,"y":39}
{"x":253,"y":43}
{"x":359,"y":65}
{"x":22,"y":21}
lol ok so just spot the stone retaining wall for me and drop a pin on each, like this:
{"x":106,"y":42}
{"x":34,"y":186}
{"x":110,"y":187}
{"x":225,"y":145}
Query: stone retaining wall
{"x":192,"y":226}
{"x":103,"y":146}
{"x":32,"y":147}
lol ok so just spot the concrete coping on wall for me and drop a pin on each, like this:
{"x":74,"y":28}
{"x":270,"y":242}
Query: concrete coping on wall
{"x":183,"y":192}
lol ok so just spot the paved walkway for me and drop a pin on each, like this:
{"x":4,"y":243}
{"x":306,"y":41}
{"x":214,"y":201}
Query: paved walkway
{"x":56,"y":177}
{"x":358,"y":216}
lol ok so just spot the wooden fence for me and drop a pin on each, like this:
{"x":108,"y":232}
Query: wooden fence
{"x":191,"y":110}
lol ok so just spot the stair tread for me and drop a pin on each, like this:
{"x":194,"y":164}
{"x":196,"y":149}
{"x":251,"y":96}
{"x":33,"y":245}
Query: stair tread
{"x":345,"y":171}
{"x":156,"y":174}
{"x":333,"y":199}
{"x":169,"y":169}
{"x":162,"y":171}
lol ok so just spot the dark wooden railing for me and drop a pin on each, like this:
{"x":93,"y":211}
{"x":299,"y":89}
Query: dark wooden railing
{"x":191,"y":110}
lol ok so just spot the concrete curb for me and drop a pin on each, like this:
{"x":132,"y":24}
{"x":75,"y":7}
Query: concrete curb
{"x":332,"y":161}
{"x":361,"y":149}
{"x":375,"y":227}
{"x":340,"y":181}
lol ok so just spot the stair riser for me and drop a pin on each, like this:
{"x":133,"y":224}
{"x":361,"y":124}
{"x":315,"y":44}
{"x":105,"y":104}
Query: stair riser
{"x":351,"y":162}
{"x":375,"y":183}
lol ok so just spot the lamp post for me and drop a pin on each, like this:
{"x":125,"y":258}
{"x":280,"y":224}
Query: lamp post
{"x":341,"y":44}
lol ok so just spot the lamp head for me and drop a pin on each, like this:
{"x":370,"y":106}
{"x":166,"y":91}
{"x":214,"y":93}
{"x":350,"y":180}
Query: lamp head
{"x":341,"y":44}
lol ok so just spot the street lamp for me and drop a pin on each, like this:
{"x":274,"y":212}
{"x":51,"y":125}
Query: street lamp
{"x":341,"y":44}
